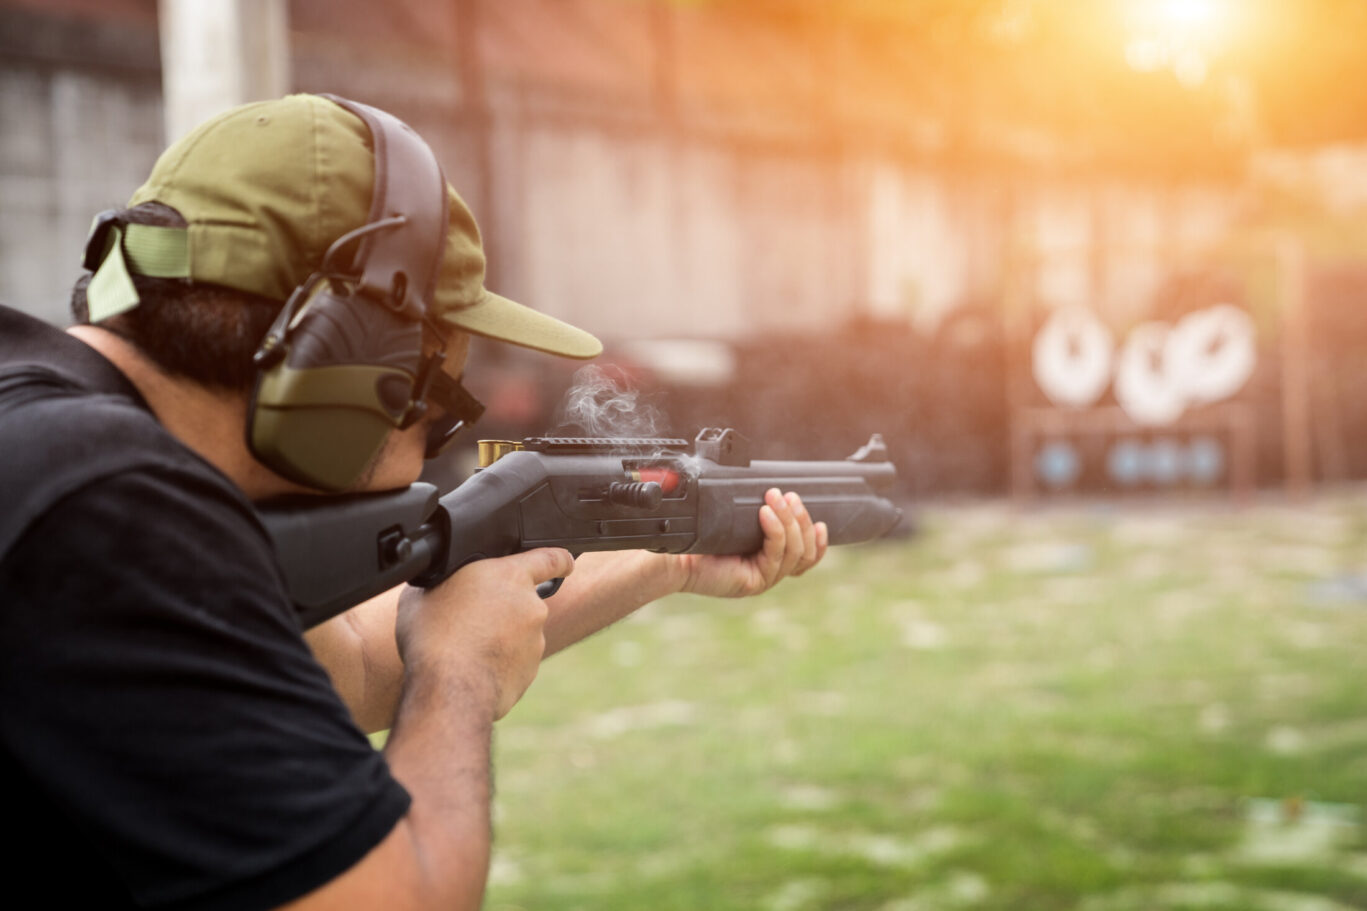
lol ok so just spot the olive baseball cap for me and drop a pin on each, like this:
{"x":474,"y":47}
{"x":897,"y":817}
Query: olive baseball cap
{"x":266,"y":188}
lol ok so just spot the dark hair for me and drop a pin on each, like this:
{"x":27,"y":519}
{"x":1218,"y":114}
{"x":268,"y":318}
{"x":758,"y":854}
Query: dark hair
{"x":205,"y":333}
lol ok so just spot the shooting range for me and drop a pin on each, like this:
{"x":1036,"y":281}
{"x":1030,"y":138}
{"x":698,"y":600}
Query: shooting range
{"x":1095,"y":271}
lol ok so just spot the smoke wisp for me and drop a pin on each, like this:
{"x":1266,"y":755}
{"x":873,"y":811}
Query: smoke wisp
{"x":601,"y":403}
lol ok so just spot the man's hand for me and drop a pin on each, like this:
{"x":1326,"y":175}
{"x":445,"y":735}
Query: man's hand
{"x":485,"y":624}
{"x":792,"y":545}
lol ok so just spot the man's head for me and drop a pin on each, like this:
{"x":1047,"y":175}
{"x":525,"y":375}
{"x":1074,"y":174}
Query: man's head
{"x":246,"y":209}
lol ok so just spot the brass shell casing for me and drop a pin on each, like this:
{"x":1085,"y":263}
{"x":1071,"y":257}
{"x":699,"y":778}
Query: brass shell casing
{"x":490,"y":451}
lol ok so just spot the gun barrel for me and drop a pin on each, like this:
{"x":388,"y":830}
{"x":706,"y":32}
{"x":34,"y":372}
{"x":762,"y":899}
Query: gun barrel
{"x":878,"y":476}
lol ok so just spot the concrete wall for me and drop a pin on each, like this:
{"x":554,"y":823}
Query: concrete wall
{"x":80,"y":125}
{"x":605,"y":212}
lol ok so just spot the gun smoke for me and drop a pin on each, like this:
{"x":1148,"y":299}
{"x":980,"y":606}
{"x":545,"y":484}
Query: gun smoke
{"x":601,"y":403}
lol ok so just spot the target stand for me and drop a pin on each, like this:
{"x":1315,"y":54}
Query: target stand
{"x":1102,"y":451}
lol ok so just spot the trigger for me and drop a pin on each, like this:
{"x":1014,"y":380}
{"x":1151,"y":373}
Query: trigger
{"x":550,"y":587}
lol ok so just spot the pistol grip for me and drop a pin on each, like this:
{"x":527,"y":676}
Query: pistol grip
{"x":550,"y":587}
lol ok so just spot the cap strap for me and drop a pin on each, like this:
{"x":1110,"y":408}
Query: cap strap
{"x":157,"y":251}
{"x":111,"y":290}
{"x":152,"y":250}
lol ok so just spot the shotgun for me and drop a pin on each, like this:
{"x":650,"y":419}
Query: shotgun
{"x":580,"y":493}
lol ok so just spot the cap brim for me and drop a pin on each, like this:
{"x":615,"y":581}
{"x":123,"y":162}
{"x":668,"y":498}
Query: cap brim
{"x":499,"y":318}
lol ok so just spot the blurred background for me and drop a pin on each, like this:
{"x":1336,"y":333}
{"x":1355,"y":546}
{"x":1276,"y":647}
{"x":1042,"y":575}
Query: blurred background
{"x":1046,"y":247}
{"x":1096,"y":270}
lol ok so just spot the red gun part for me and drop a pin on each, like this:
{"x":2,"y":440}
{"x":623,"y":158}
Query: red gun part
{"x":667,"y":478}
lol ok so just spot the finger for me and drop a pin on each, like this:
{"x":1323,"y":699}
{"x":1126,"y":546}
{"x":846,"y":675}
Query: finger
{"x":779,"y":503}
{"x":807,"y":558}
{"x":820,"y":541}
{"x":544,"y":563}
{"x":775,"y":533}
{"x":782,"y":557}
{"x":787,"y":523}
{"x":770,"y":556}
{"x":805,"y":525}
{"x":792,"y":549}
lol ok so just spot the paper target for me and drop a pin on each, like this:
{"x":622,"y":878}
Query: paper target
{"x":1072,"y":357}
{"x":1212,"y":353}
{"x":1145,"y":386}
{"x":1058,"y":465}
{"x":1205,"y":460}
{"x":1166,"y":462}
{"x":1126,"y":463}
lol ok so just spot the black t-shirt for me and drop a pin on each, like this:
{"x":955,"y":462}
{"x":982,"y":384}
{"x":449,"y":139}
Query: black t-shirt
{"x":166,"y":737}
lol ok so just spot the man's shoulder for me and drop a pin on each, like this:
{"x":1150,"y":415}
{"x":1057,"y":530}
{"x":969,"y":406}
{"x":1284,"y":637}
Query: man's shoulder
{"x":60,"y":433}
{"x":51,"y":428}
{"x":53,"y":386}
{"x":32,"y":351}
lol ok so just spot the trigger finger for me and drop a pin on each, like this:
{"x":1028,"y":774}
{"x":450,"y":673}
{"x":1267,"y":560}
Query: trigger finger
{"x":546,"y":563}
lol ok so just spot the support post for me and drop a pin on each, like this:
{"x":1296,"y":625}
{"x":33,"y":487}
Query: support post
{"x":1296,"y":423}
{"x":217,"y":54}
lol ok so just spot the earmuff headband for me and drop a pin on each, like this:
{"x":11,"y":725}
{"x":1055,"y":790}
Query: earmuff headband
{"x":401,"y":267}
{"x":343,"y":364}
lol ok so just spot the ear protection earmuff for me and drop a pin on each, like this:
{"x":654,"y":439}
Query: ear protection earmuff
{"x":343,"y":365}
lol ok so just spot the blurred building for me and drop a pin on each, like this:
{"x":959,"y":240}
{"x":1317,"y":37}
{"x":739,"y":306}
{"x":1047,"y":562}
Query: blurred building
{"x":874,"y":215}
{"x":645,"y":168}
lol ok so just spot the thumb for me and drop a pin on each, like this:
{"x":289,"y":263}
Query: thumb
{"x":544,"y":563}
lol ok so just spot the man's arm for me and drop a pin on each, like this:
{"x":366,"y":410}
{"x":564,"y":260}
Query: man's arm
{"x":469,"y":648}
{"x":357,"y":647}
{"x":610,"y":585}
{"x":360,"y":653}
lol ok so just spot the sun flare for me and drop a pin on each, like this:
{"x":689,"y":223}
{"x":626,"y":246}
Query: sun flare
{"x":1181,"y":35}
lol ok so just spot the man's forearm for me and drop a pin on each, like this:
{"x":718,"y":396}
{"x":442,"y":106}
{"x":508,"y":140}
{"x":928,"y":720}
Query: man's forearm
{"x":437,"y":856}
{"x":605,"y":588}
{"x":439,"y":749}
{"x":359,"y":653}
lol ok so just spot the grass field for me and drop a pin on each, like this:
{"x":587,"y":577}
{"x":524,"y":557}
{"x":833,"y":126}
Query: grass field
{"x":1094,"y":709}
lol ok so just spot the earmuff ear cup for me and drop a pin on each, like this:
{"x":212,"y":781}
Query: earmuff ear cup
{"x":320,"y":414}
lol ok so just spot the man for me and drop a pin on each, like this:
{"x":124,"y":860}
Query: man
{"x":169,"y":737}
